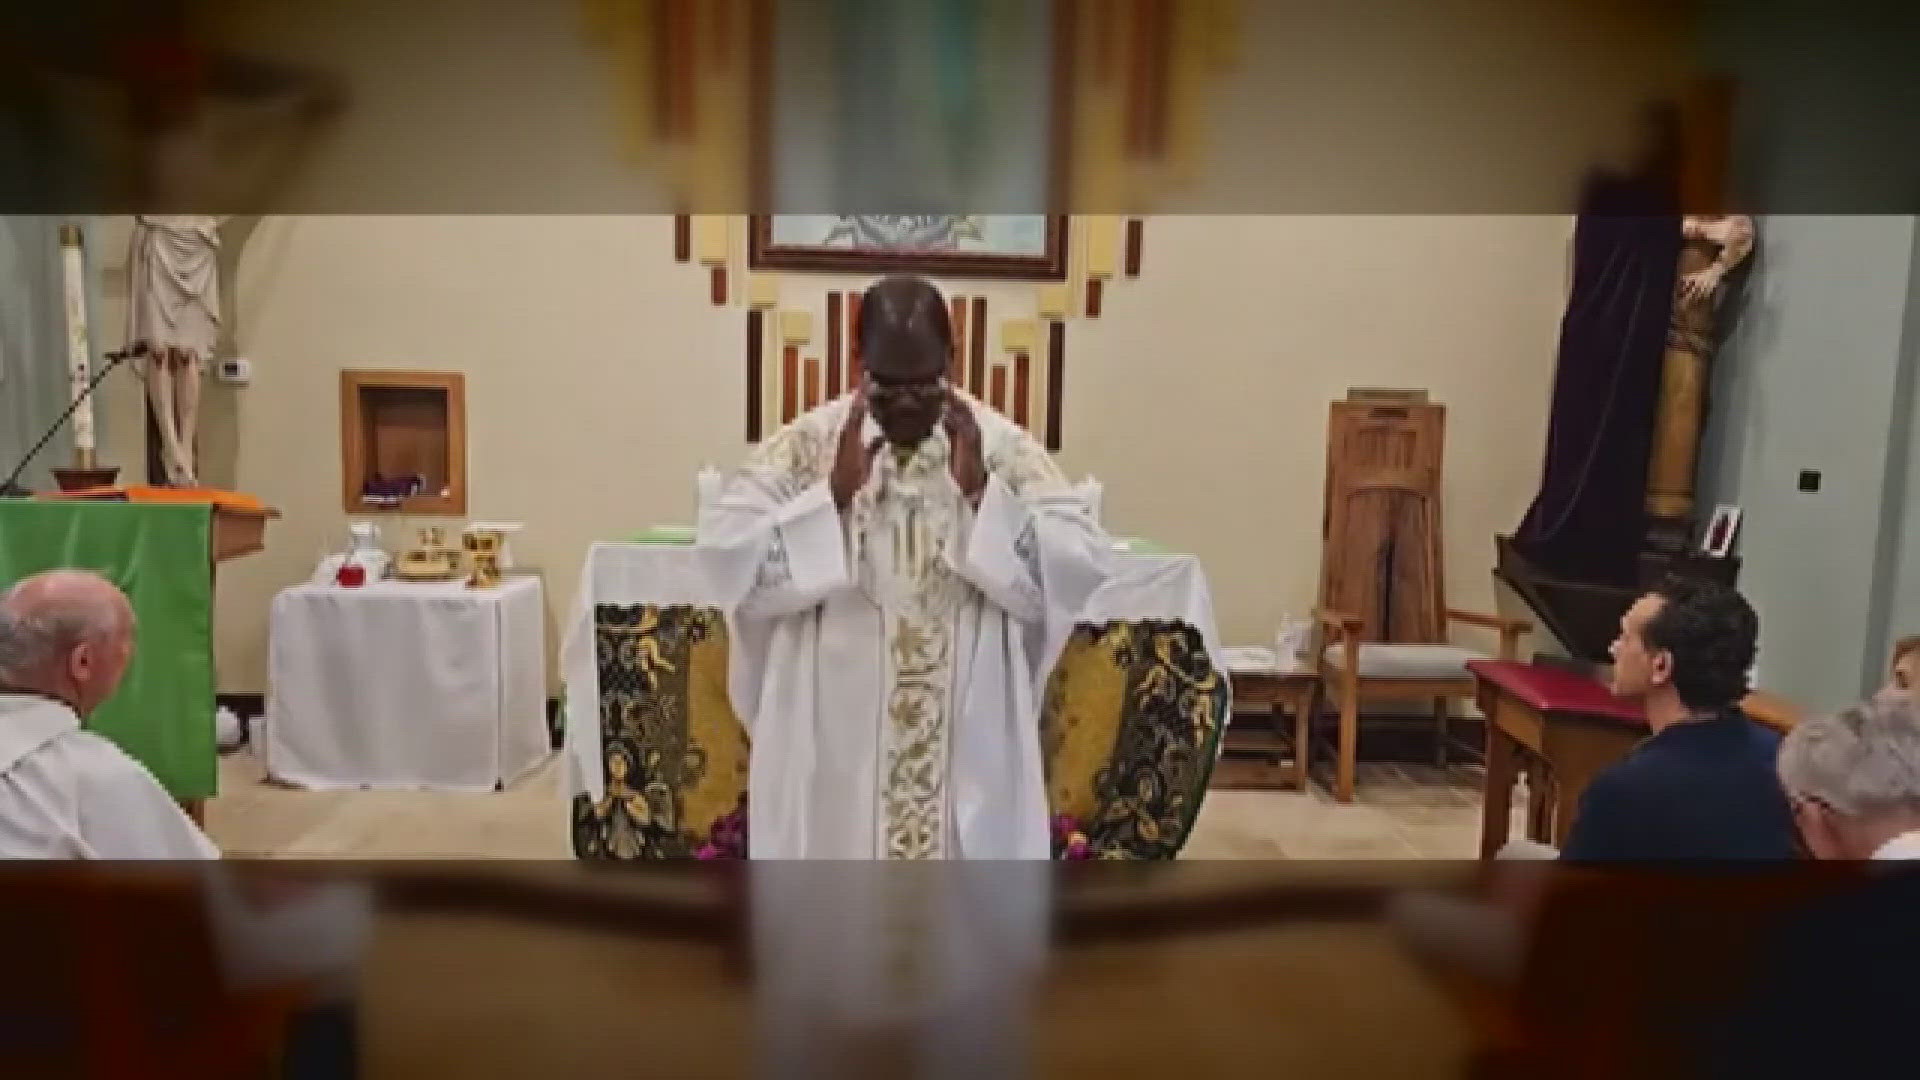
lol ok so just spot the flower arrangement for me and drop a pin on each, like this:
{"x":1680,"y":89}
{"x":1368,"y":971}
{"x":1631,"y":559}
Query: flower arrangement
{"x":728,"y":840}
{"x":1069,"y":841}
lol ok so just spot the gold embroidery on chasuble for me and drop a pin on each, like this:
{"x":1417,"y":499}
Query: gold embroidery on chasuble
{"x":905,"y":520}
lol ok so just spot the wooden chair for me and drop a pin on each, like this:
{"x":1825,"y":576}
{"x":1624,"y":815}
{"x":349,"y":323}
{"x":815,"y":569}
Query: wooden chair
{"x":115,"y":972}
{"x":1383,"y":621}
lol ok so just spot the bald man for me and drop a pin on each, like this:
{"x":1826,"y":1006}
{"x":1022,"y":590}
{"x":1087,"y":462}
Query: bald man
{"x":899,"y":566}
{"x":66,"y":638}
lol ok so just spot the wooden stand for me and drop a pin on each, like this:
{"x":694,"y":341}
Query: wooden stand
{"x":1572,"y":726}
{"x":239,"y":528}
{"x":1288,"y":695}
{"x":84,"y":479}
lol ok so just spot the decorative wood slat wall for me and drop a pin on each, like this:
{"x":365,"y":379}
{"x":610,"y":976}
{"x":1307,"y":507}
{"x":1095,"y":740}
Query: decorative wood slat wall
{"x":756,"y":378}
{"x":834,"y":327}
{"x":1127,"y":96}
{"x":853,"y":336}
{"x":957,"y":322}
{"x":977,"y":364}
{"x":1022,"y":388}
{"x":789,"y":383}
{"x":998,"y":372}
{"x":1056,"y":380}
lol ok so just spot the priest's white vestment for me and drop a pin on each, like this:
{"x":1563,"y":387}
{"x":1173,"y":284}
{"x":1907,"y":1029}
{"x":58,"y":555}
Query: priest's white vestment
{"x":890,"y":667}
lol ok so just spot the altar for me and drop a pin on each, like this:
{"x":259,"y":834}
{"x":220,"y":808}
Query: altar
{"x":657,"y":756}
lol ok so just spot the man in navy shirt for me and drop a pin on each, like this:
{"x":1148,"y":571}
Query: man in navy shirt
{"x":1704,"y":784}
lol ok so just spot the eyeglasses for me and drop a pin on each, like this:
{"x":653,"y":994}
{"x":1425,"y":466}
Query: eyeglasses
{"x":919,"y":390}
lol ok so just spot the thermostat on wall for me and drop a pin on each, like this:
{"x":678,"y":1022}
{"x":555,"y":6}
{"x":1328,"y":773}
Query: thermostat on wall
{"x":234,"y":369}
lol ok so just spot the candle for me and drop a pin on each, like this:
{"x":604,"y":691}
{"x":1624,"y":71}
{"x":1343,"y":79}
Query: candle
{"x":79,"y":354}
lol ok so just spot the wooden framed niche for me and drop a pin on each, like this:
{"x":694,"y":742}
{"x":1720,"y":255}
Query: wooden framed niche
{"x":404,"y":423}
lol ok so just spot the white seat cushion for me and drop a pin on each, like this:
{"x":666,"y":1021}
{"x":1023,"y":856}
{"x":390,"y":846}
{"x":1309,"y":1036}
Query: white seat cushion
{"x":1407,"y":661}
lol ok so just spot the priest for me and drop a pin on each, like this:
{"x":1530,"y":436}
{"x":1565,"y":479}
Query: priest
{"x":899,"y":568}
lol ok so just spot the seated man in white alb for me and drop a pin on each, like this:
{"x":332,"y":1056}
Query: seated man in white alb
{"x":66,"y":638}
{"x":900,"y":567}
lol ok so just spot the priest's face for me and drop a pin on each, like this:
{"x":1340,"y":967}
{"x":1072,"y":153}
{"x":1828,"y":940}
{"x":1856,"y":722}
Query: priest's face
{"x":906,"y":384}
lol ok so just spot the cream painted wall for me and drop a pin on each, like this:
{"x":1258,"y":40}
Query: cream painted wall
{"x":599,"y":379}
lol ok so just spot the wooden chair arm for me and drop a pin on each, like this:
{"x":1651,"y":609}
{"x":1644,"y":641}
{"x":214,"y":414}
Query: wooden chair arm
{"x":1341,"y":623}
{"x":1489,"y":622}
{"x":1510,"y":629}
{"x":1344,"y":631}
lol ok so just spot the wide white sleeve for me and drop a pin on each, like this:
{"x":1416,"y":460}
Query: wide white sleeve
{"x":766,"y":557}
{"x":1039,"y":558}
{"x":125,"y":813}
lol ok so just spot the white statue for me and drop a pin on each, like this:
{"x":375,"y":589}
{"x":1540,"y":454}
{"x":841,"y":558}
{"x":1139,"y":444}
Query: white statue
{"x":174,"y":306}
{"x":216,"y":149}
{"x":1730,"y":236}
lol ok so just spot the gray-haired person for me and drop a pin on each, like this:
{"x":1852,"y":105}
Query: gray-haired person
{"x":1853,"y":779}
{"x":1832,"y":993}
{"x":66,"y":638}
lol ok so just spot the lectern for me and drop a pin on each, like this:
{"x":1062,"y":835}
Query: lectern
{"x":160,"y":545}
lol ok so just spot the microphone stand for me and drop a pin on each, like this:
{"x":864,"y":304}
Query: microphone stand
{"x":11,"y":490}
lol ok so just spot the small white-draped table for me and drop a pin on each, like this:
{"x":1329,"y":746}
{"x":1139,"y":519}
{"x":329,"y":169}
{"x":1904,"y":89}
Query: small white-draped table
{"x":407,"y":685}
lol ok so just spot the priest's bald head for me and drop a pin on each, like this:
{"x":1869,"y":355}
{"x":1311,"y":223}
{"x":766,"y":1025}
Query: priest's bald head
{"x":67,"y":634}
{"x":906,"y":341}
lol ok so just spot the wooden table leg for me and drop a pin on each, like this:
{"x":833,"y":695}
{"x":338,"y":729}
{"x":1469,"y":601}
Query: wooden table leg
{"x":1302,"y":736}
{"x":1497,"y":798}
{"x":1349,"y":750}
{"x":1576,"y":752}
{"x":1540,"y":802}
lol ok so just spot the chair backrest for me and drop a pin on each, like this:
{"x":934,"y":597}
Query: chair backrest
{"x":1381,"y":558}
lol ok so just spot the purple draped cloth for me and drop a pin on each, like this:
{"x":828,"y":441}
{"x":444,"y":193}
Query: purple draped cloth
{"x":1589,"y":518}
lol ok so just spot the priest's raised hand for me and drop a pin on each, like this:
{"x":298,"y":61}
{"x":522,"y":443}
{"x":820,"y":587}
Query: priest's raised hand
{"x":852,"y":460}
{"x":963,"y":439}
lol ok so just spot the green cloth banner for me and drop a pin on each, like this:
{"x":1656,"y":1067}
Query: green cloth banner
{"x":159,"y":555}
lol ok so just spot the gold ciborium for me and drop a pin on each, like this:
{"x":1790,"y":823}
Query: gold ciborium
{"x":483,"y":557}
{"x":430,"y":560}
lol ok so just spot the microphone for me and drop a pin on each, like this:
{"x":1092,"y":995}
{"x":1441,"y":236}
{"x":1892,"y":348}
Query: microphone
{"x":11,"y":490}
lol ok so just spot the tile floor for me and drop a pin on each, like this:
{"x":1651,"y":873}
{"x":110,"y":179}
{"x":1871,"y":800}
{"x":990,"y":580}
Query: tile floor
{"x":1400,"y":812}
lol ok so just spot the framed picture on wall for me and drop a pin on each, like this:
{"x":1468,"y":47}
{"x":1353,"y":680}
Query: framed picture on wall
{"x":1722,"y":529}
{"x":1030,"y":247}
